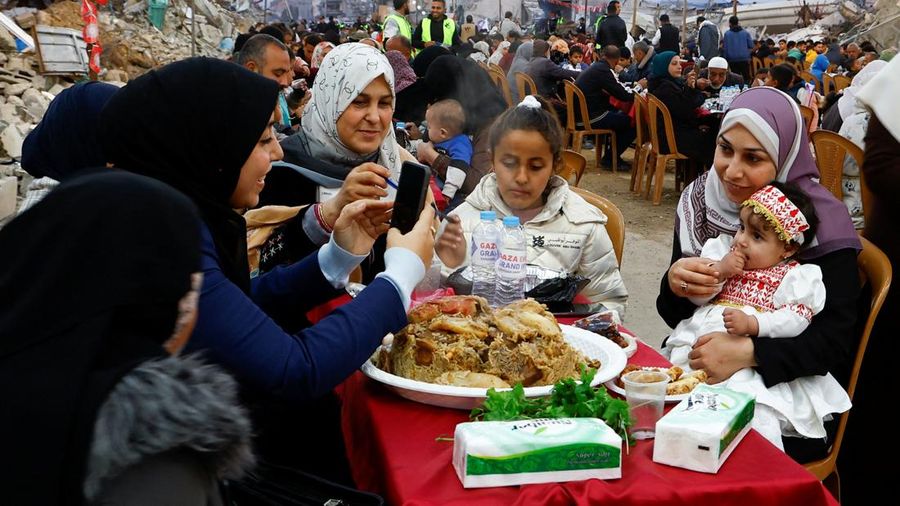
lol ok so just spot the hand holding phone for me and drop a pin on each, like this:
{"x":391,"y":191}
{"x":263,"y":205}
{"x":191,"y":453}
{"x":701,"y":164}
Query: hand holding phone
{"x":411,"y":192}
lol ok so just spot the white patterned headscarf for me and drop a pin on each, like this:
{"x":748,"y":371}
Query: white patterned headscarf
{"x":344,"y":74}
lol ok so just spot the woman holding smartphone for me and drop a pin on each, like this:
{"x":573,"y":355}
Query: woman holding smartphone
{"x":152,"y":127}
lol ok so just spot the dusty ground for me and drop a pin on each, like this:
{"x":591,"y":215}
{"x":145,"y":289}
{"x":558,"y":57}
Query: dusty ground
{"x":648,"y":244}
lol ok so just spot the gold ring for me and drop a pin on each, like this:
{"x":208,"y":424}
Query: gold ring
{"x":684,"y":286}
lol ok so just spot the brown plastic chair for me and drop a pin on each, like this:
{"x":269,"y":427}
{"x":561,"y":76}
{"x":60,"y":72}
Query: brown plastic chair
{"x":756,"y":63}
{"x":657,"y":109}
{"x":573,"y":163}
{"x":840,"y":82}
{"x":573,"y":92}
{"x":642,"y":144}
{"x":827,"y":83}
{"x":875,"y":270}
{"x":524,"y":81}
{"x":502,"y":84}
{"x":615,"y":223}
{"x":494,"y":66}
{"x":808,"y":77}
{"x":831,"y":150}
{"x":808,"y":114}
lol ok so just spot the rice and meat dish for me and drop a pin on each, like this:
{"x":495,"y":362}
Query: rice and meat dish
{"x":460,"y":341}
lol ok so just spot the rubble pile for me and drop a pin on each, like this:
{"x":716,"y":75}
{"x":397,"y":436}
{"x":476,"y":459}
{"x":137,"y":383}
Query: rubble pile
{"x":131,"y":47}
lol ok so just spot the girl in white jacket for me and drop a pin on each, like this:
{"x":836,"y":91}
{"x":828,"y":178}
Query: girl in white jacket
{"x":564,"y":232}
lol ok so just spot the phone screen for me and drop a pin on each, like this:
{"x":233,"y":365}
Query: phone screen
{"x":411,"y":192}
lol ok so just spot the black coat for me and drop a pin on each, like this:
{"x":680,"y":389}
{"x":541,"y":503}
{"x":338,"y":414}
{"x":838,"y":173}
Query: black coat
{"x":682,"y":100}
{"x":598,"y":83}
{"x":547,"y":75}
{"x":668,"y":38}
{"x":612,"y":31}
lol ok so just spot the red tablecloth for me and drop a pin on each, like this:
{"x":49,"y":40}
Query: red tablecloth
{"x":392,"y":451}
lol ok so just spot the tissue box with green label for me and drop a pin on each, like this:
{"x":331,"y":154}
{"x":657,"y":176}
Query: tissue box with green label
{"x":496,"y":454}
{"x":702,"y":431}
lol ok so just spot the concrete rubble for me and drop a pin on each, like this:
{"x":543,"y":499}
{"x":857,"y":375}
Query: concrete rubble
{"x":131,"y":47}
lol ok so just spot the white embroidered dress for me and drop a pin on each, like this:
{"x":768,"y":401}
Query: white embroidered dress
{"x":783,"y":298}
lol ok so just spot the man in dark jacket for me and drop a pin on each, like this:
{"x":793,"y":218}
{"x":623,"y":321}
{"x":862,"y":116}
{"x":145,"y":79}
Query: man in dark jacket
{"x":708,"y":38}
{"x":666,"y":38}
{"x":716,"y":76}
{"x":643,"y":54}
{"x":612,"y":31}
{"x":598,"y":83}
{"x":545,"y":73}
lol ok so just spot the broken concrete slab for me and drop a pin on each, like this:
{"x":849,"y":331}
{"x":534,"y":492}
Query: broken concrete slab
{"x":11,"y":139}
{"x":16,"y":89}
{"x":8,"y":194}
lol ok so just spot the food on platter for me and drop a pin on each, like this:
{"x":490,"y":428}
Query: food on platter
{"x":681,"y":382}
{"x":451,"y":336}
{"x":606,"y":324}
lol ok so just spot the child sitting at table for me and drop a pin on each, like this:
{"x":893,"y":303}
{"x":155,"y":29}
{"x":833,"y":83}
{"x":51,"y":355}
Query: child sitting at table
{"x":766,"y":294}
{"x":446,"y":121}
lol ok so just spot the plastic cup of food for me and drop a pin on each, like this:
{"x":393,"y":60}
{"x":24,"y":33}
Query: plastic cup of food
{"x":645,"y":392}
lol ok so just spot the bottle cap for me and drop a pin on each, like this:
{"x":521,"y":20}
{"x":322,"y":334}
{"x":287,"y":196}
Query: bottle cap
{"x":511,"y":221}
{"x":488,"y":216}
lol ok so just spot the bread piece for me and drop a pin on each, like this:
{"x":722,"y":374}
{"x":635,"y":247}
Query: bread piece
{"x":470,"y":379}
{"x":682,"y":386}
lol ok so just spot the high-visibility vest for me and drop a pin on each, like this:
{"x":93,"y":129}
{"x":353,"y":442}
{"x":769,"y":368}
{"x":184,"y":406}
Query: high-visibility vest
{"x":402,"y":22}
{"x":449,"y":30}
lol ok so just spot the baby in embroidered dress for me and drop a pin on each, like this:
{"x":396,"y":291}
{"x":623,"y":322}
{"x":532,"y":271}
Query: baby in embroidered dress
{"x":766,"y":294}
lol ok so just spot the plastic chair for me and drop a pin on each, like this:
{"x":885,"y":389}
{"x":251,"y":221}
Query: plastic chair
{"x":875,"y":269}
{"x":502,"y":84}
{"x":495,"y":67}
{"x":573,"y":92}
{"x":524,"y":81}
{"x":756,"y":63}
{"x":841,"y":82}
{"x":831,"y":150}
{"x":642,"y":144}
{"x":808,"y":77}
{"x":827,"y":83}
{"x":658,"y":109}
{"x":807,"y":114}
{"x":615,"y":223}
{"x":573,"y":163}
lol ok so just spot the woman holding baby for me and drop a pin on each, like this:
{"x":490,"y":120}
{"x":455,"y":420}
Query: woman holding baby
{"x":762,"y":140}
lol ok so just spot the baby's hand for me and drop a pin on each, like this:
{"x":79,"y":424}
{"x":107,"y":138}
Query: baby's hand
{"x":731,"y":265}
{"x":738,"y":323}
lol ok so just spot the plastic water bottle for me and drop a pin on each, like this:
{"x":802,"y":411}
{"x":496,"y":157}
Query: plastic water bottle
{"x":511,"y":263}
{"x":485,"y":250}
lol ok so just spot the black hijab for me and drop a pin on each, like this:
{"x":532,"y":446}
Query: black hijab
{"x":66,"y":140}
{"x":193,"y":124}
{"x":465,"y":82}
{"x":89,"y":289}
{"x":426,"y":57}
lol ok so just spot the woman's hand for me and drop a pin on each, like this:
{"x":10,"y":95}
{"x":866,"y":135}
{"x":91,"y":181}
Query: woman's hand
{"x":451,"y":245}
{"x":722,"y":355}
{"x":360,"y":223}
{"x":426,"y":153}
{"x":419,"y":240}
{"x":691,"y":78}
{"x":693,"y":277}
{"x":366,"y":181}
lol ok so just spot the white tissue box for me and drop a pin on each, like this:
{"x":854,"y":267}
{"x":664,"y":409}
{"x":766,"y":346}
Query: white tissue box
{"x":496,"y":454}
{"x":702,"y":430}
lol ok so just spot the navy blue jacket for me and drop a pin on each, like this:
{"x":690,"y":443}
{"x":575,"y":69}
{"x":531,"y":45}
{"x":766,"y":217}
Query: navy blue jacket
{"x":240,"y":333}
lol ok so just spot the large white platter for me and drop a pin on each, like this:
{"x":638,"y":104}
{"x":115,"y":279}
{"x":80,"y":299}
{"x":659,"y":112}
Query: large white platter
{"x":612,"y":361}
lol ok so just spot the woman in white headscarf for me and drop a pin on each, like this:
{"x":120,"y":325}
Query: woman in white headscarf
{"x":855,"y":118}
{"x":481,"y":53}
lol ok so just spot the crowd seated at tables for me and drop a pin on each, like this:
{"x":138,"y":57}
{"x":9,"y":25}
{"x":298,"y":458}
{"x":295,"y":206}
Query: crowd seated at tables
{"x":188,"y":233}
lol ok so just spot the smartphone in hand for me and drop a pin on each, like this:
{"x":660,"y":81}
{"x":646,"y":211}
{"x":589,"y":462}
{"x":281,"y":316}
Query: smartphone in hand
{"x":411,"y":192}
